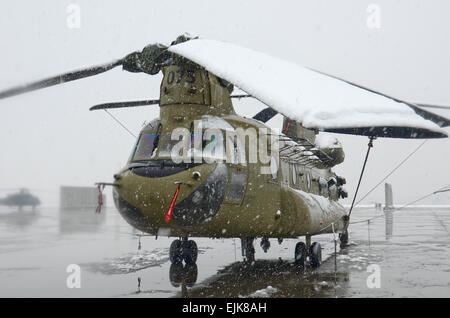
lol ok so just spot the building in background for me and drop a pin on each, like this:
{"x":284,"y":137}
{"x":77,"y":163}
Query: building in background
{"x":79,"y":197}
{"x":78,"y":209}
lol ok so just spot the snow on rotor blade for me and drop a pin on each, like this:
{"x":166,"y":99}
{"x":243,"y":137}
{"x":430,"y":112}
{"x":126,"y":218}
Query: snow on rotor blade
{"x":315,"y":100}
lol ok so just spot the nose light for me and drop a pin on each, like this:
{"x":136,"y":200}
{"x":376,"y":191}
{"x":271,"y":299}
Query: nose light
{"x":196,"y":175}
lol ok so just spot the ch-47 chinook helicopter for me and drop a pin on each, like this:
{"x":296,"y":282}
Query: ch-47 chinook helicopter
{"x":20,"y":199}
{"x":204,"y":180}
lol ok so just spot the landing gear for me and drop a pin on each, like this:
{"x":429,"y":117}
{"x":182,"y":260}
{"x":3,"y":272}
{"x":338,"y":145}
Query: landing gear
{"x":313,"y":251}
{"x":315,"y":255}
{"x":175,"y":252}
{"x":180,"y":274}
{"x":183,"y":250}
{"x":248,"y":251}
{"x":190,"y":251}
{"x":300,"y":254}
{"x":343,"y":238}
{"x":265,"y":244}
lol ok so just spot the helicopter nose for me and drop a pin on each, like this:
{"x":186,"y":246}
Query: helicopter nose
{"x":205,"y":201}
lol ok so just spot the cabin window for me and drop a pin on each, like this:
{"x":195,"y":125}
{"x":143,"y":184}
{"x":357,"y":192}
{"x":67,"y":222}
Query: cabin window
{"x":294,"y":174}
{"x":323,"y":186}
{"x":146,"y":146}
{"x":308,"y":180}
{"x":274,"y":168}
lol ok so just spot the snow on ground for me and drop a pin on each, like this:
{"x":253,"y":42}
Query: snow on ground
{"x":263,"y":293}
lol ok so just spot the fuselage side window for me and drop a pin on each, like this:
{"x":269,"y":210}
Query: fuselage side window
{"x":308,"y":180}
{"x":294,"y":174}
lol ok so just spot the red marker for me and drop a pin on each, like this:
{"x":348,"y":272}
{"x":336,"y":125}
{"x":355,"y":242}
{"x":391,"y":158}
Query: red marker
{"x":172,"y":204}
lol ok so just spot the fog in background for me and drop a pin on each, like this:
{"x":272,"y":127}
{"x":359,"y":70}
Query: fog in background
{"x":49,"y":138}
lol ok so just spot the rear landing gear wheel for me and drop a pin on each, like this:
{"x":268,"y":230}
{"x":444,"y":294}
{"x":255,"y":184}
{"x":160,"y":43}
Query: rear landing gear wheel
{"x":315,"y":255}
{"x":176,"y":252}
{"x":265,"y":244}
{"x":343,"y":238}
{"x":248,"y":251}
{"x":300,"y":254}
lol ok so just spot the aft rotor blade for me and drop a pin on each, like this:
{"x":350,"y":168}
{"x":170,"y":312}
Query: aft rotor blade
{"x":440,"y":120}
{"x":265,"y":115}
{"x":433,"y":106}
{"x":136,"y":103}
{"x":240,"y":96}
{"x":59,"y":79}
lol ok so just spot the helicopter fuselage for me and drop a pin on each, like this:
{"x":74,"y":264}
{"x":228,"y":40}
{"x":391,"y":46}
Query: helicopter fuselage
{"x":285,"y":194}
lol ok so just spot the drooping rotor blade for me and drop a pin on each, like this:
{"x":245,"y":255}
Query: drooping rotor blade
{"x":59,"y":79}
{"x":125,"y":104}
{"x":315,"y":100}
{"x":265,"y":115}
{"x":241,"y":96}
{"x":435,"y":118}
{"x":432,"y":106}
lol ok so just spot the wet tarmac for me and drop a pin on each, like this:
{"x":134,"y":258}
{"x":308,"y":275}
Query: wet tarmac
{"x":409,"y":256}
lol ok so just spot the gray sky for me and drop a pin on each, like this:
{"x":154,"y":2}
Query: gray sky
{"x":49,"y":138}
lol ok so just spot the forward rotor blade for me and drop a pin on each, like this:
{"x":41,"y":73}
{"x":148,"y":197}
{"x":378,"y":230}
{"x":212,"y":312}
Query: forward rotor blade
{"x":59,"y":79}
{"x":136,"y":103}
{"x":141,"y":103}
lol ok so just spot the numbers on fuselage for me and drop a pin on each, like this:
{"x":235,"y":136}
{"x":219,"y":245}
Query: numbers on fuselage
{"x":178,"y":75}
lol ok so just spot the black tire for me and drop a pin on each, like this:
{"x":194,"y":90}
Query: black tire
{"x":190,"y":252}
{"x":176,"y":252}
{"x":300,"y":254}
{"x":191,"y":274}
{"x":315,"y":255}
{"x":343,"y":238}
{"x":176,"y":274}
{"x":250,"y":255}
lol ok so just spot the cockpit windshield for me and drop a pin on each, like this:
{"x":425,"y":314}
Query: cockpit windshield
{"x":193,"y":146}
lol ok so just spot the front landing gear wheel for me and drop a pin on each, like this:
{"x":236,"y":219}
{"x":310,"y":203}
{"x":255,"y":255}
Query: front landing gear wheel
{"x":300,"y":254}
{"x":315,"y":255}
{"x":176,"y":252}
{"x":190,"y":251}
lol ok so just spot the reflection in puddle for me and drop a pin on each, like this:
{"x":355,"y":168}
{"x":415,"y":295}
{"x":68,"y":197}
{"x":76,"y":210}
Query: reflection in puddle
{"x":131,"y":262}
{"x":262,"y":278}
{"x":19,"y":219}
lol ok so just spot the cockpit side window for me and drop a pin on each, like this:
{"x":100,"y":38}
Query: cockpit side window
{"x":147,"y":145}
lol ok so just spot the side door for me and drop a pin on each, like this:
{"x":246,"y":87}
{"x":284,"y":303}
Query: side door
{"x":237,"y":174}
